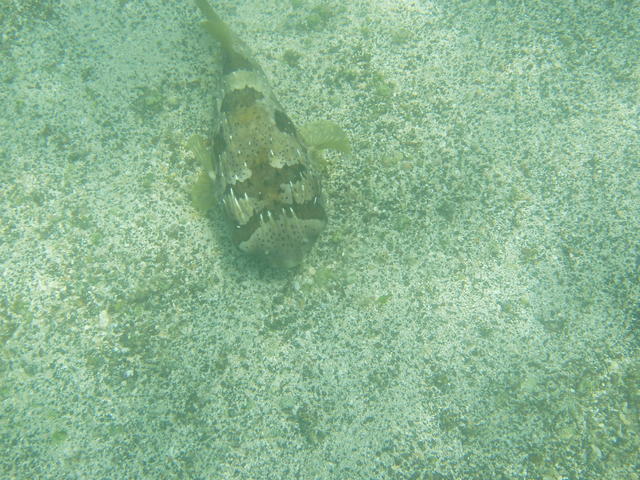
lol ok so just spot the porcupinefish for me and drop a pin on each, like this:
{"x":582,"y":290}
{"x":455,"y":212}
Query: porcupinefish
{"x":260,"y":164}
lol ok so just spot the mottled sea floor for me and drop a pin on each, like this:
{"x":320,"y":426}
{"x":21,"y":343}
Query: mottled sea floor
{"x":471,"y":312}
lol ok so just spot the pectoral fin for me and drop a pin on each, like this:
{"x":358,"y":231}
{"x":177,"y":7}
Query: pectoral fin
{"x":324,"y":134}
{"x":203,"y":191}
{"x":198,"y":147}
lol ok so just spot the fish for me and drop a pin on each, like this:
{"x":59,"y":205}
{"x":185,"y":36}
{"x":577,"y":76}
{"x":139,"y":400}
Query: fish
{"x":262,"y":166}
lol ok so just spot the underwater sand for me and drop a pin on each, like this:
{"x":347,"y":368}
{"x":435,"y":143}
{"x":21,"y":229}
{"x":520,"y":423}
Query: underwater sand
{"x":471,"y":312}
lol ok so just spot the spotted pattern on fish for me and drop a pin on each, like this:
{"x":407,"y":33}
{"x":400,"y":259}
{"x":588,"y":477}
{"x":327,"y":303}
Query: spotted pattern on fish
{"x":271,"y":194}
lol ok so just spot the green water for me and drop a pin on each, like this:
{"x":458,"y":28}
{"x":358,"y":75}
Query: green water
{"x":472,"y":310}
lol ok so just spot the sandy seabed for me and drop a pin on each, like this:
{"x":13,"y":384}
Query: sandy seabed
{"x":471,"y":312}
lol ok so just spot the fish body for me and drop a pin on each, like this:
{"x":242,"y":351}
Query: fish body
{"x":260,"y":164}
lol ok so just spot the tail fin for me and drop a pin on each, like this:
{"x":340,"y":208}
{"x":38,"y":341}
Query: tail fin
{"x":215,"y":26}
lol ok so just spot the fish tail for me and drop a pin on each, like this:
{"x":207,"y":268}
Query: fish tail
{"x":215,"y":26}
